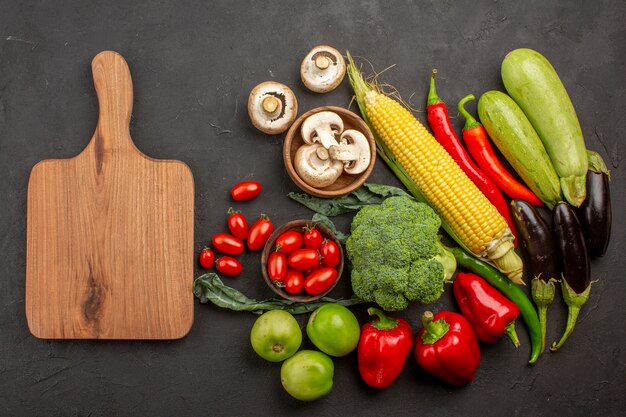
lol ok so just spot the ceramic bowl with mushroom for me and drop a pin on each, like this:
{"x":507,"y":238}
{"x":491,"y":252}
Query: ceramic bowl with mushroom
{"x":329,"y":151}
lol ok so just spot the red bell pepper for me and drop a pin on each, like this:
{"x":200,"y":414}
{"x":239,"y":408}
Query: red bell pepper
{"x":487,"y":310}
{"x":478,"y":146}
{"x":439,"y":122}
{"x":446,"y":347}
{"x":384,"y":346}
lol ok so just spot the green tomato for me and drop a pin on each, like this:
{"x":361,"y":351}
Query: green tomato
{"x":276,"y":336}
{"x":307,"y":375}
{"x":334,"y":329}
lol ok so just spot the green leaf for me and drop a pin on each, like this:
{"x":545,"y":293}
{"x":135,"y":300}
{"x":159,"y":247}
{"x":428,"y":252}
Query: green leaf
{"x":366,"y":195}
{"x":385,"y":191}
{"x":325,"y":221}
{"x":209,"y":287}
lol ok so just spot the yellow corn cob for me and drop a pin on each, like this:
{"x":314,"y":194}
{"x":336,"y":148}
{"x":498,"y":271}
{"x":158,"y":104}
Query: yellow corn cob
{"x":471,"y":216}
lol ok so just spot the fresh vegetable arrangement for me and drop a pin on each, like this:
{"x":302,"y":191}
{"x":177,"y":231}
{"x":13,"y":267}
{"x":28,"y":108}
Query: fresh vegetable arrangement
{"x":541,"y":258}
{"x":535,"y":86}
{"x":515,"y":137}
{"x":411,"y":151}
{"x":439,"y":122}
{"x":329,"y":150}
{"x":304,"y":258}
{"x":394,"y":251}
{"x":479,"y":147}
{"x":512,"y":291}
{"x":411,"y":265}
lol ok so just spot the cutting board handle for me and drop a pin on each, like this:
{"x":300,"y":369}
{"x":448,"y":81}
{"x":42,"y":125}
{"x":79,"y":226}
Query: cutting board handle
{"x":114,"y":87}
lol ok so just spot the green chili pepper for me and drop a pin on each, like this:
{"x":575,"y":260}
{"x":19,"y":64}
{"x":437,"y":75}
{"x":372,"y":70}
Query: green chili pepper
{"x":512,"y":291}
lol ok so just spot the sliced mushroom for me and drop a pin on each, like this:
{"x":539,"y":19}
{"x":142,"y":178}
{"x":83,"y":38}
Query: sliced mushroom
{"x":322,"y":69}
{"x":322,"y":127}
{"x":314,"y":166}
{"x":353,"y":150}
{"x":272,"y":107}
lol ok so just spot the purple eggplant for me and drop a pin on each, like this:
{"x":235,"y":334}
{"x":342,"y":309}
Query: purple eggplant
{"x":540,"y":254}
{"x":572,"y":250}
{"x":595,"y":211}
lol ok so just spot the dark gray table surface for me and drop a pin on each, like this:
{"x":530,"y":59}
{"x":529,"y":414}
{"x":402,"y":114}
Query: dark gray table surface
{"x":193,"y":64}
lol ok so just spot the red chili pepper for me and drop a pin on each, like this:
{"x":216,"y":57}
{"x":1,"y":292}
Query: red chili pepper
{"x":439,"y":122}
{"x":383,"y":348}
{"x":488,"y":311}
{"x":478,"y":146}
{"x":446,"y":347}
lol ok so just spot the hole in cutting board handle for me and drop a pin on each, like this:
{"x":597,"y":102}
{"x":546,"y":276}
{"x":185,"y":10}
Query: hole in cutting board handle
{"x":114,"y":88}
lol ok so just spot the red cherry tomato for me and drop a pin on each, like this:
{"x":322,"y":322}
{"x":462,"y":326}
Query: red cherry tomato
{"x":320,"y":281}
{"x":207,"y":257}
{"x":277,"y":266}
{"x":293,"y":282}
{"x":237,"y":224}
{"x":315,"y":268}
{"x":303,"y":259}
{"x":259,"y":232}
{"x":331,"y":255}
{"x":246,"y":190}
{"x":312,"y":238}
{"x":228,"y":266}
{"x":227,"y":244}
{"x":289,"y":242}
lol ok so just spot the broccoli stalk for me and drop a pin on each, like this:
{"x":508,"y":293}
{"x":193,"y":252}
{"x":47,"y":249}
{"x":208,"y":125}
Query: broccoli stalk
{"x":447,"y":259}
{"x":396,"y":256}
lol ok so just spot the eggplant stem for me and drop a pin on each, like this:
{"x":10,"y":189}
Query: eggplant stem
{"x":543,"y":295}
{"x":574,"y":303}
{"x":572,"y":315}
{"x":542,"y":310}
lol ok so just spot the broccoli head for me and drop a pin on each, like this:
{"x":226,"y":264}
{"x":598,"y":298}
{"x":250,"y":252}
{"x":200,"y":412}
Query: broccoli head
{"x":396,"y":256}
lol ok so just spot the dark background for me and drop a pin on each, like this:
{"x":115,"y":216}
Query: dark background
{"x":193,"y":65}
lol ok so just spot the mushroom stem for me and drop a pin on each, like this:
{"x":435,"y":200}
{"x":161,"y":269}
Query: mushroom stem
{"x":322,"y":69}
{"x":272,"y":107}
{"x":353,"y":151}
{"x":322,"y":127}
{"x":270,"y":104}
{"x":322,"y":153}
{"x":322,"y":62}
{"x":313,"y":170}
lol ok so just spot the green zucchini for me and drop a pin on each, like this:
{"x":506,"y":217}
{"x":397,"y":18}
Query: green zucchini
{"x":535,"y":86}
{"x":516,"y":138}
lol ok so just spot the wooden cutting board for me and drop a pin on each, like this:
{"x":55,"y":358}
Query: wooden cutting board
{"x":110,"y":232}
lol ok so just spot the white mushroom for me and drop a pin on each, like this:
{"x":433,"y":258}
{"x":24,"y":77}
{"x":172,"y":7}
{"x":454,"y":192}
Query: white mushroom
{"x":322,"y":69}
{"x":322,"y":127}
{"x":353,"y":150}
{"x":314,"y":166}
{"x":272,"y":107}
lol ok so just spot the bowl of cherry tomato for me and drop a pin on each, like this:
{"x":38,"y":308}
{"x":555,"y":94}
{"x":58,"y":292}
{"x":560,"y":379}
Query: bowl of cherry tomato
{"x":302,"y":261}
